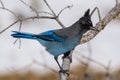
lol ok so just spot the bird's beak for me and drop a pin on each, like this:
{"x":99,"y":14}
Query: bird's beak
{"x":95,"y":29}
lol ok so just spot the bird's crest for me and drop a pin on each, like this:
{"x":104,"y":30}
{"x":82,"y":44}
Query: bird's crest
{"x":87,"y":13}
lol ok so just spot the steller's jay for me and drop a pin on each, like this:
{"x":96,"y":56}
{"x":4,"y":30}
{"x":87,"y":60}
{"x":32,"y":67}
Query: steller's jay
{"x":61,"y":41}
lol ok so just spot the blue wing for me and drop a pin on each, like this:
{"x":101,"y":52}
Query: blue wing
{"x":50,"y":36}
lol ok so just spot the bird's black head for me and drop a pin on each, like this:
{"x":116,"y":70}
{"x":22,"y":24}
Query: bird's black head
{"x":86,"y":22}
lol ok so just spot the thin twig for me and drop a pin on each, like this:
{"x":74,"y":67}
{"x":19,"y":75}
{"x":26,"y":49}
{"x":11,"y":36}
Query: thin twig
{"x":20,"y":30}
{"x":98,"y":11}
{"x":38,"y":17}
{"x":15,"y":41}
{"x":20,"y":25}
{"x":19,"y":43}
{"x":45,"y":13}
{"x":49,"y":7}
{"x":30,"y":7}
{"x":9,"y":26}
{"x":59,"y":22}
{"x":2,"y":3}
{"x":3,"y":8}
{"x":67,"y":7}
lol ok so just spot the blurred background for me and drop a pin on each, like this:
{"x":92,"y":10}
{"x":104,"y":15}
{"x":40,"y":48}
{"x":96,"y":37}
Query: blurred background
{"x":98,"y":59}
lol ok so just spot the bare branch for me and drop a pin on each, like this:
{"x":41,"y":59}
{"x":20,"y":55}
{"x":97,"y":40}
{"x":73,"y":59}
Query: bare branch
{"x":15,"y":41}
{"x":9,"y":11}
{"x":30,"y":7}
{"x":96,"y":8}
{"x":20,"y":25}
{"x":34,"y":17}
{"x":20,"y":30}
{"x":59,"y":22}
{"x":38,"y":17}
{"x":3,"y":7}
{"x":45,"y":12}
{"x":9,"y":26}
{"x":67,"y":7}
{"x":2,"y":3}
{"x":49,"y":7}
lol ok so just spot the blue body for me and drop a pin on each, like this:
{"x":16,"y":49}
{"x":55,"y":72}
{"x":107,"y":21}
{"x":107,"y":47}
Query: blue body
{"x":60,"y":45}
{"x":54,"y":43}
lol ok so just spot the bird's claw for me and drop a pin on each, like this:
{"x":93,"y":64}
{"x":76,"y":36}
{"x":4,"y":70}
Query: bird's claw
{"x":64,"y":72}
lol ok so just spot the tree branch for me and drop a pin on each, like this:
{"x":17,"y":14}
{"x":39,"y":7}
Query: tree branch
{"x":9,"y":26}
{"x":57,"y":19}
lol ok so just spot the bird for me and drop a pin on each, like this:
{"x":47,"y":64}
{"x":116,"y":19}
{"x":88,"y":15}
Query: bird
{"x":61,"y":41}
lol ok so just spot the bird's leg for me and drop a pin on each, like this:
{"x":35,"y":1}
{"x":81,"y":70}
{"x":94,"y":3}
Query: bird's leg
{"x":66,"y":55}
{"x":61,"y":69}
{"x":56,"y":59}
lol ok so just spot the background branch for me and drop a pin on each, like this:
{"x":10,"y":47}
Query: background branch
{"x":30,"y":7}
{"x":2,"y":3}
{"x":67,"y":7}
{"x":57,"y":19}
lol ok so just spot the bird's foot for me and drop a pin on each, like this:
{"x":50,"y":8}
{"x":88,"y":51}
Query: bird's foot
{"x":64,"y":72}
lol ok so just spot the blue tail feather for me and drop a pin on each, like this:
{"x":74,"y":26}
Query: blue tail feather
{"x":23,"y":35}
